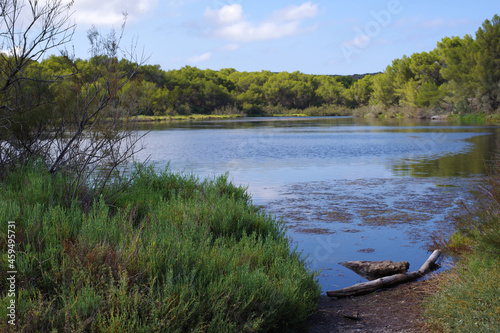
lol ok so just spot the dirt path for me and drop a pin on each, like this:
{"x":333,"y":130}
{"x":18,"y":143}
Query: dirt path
{"x":396,"y":309}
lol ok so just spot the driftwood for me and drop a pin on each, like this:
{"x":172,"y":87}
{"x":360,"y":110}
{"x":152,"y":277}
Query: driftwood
{"x":376,"y":269}
{"x":368,"y":287}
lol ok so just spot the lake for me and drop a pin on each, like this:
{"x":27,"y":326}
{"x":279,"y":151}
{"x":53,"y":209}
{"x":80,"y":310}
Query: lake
{"x":346,"y":188}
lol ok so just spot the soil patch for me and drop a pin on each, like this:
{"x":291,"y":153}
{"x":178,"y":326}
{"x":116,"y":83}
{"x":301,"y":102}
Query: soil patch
{"x":397,"y":309}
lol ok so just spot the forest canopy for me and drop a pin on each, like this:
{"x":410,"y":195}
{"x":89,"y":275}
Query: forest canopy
{"x":461,"y":75}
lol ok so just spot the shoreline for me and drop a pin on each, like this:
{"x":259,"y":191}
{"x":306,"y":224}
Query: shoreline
{"x":474,"y":118}
{"x":155,"y":119}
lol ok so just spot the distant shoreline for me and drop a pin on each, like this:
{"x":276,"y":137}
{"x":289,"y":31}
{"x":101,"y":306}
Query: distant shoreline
{"x":153,"y":119}
{"x":453,"y":118}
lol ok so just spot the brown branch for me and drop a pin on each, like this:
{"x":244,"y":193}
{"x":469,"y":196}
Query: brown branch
{"x":371,"y":286}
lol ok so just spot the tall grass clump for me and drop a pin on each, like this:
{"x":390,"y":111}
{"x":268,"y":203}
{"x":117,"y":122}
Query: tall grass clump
{"x":171,"y":253}
{"x":468,"y":300}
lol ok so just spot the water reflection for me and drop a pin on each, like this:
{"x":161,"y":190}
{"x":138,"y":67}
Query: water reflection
{"x":348,"y":189}
{"x":279,"y":150}
{"x":469,"y":163}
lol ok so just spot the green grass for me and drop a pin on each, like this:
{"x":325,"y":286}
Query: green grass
{"x":476,"y":117}
{"x":173,"y":253}
{"x":290,"y":115}
{"x":468,"y":300}
{"x":142,"y":118}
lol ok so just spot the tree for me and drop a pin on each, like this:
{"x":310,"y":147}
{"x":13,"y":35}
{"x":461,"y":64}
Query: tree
{"x":64,"y":112}
{"x":278,"y":90}
{"x":22,"y":43}
{"x":403,"y":75}
{"x":426,"y":67}
{"x":459,"y":58}
{"x":383,"y":89}
{"x":329,"y":90}
{"x":360,"y":92}
{"x":408,"y":94}
{"x":429,"y":95}
{"x":487,"y":70}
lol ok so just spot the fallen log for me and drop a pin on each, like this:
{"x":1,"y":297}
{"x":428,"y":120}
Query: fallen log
{"x":368,"y":287}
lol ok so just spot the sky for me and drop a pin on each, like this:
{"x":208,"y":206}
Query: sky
{"x":313,"y":37}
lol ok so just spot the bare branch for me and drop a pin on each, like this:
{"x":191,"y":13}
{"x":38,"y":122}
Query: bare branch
{"x":72,"y":119}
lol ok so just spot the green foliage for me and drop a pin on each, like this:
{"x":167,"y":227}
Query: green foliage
{"x":189,"y":90}
{"x":467,"y":301}
{"x":360,"y":92}
{"x":384,"y":89}
{"x":472,"y":67}
{"x":458,"y":55}
{"x":429,"y":94}
{"x":462,"y":75}
{"x":426,"y":67}
{"x":482,"y":223}
{"x":173,"y":253}
{"x":488,"y":64}
{"x":346,"y":81}
{"x":330,"y":91}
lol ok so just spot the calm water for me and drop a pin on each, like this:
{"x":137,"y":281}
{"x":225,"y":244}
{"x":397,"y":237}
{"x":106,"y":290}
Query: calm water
{"x":348,"y":189}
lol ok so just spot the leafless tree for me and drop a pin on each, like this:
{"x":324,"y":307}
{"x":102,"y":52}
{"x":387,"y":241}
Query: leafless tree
{"x":84,"y":136}
{"x":28,"y":30}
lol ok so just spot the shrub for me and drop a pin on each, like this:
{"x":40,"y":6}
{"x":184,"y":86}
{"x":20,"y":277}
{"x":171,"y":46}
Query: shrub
{"x":468,"y":299}
{"x":173,"y":253}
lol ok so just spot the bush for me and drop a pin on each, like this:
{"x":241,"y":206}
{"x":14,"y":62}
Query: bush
{"x":173,"y":253}
{"x":468,"y":299}
{"x":482,"y":222}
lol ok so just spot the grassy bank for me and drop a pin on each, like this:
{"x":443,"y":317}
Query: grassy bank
{"x":331,"y":111}
{"x":151,"y":119}
{"x":468,"y":296}
{"x":473,"y":118}
{"x":172,"y":253}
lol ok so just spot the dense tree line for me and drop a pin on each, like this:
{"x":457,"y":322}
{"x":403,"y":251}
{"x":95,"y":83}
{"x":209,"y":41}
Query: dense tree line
{"x":460,"y":75}
{"x":190,"y":90}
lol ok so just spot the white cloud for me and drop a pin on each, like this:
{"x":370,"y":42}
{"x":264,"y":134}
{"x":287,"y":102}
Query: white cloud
{"x":101,"y":12}
{"x":230,"y":24}
{"x":306,"y":10}
{"x":10,"y":52}
{"x":199,"y":58}
{"x":227,"y":15}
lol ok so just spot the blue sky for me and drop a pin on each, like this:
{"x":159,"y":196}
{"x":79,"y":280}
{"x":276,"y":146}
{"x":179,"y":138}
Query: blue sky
{"x":313,"y":37}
